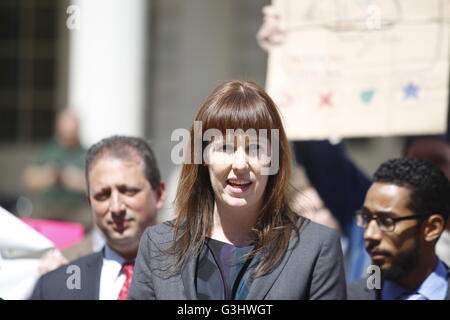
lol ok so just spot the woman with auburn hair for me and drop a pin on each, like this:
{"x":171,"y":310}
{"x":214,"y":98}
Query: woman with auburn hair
{"x":235,"y":235}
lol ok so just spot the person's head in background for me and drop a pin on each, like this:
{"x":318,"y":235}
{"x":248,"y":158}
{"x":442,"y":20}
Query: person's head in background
{"x":67,"y":128}
{"x":433,"y":149}
{"x":125,"y":190}
{"x":410,"y":200}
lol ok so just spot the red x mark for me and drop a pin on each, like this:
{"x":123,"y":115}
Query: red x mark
{"x":325,"y":99}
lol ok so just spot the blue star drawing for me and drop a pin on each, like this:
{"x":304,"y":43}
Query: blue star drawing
{"x":410,"y":91}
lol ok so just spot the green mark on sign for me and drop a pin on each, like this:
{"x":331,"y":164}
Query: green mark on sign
{"x":367,"y":95}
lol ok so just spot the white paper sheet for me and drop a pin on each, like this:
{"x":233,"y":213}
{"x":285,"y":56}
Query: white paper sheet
{"x":20,"y":249}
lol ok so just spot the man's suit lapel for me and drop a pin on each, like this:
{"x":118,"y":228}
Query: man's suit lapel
{"x":90,"y":273}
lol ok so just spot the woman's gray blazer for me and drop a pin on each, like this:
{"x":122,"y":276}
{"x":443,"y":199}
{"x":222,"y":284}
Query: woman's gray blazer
{"x":312,"y":268}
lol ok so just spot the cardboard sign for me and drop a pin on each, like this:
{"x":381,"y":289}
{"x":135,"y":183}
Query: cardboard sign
{"x":355,"y":68}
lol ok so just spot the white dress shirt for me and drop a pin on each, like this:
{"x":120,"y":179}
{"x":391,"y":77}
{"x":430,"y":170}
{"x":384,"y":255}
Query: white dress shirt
{"x":111,"y":279}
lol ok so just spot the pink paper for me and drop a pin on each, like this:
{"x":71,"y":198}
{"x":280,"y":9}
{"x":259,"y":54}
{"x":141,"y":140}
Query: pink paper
{"x":62,"y":234}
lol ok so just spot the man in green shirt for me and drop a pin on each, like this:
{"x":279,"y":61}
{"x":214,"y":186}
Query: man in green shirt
{"x":55,"y":180}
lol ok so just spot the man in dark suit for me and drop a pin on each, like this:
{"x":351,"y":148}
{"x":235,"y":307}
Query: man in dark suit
{"x":125,"y":191}
{"x":404,"y":213}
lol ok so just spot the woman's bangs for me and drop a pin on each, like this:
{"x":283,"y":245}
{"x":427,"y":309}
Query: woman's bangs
{"x":238,"y":113}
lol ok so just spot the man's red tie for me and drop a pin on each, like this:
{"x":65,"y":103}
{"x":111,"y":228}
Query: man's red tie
{"x":127,"y":268}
